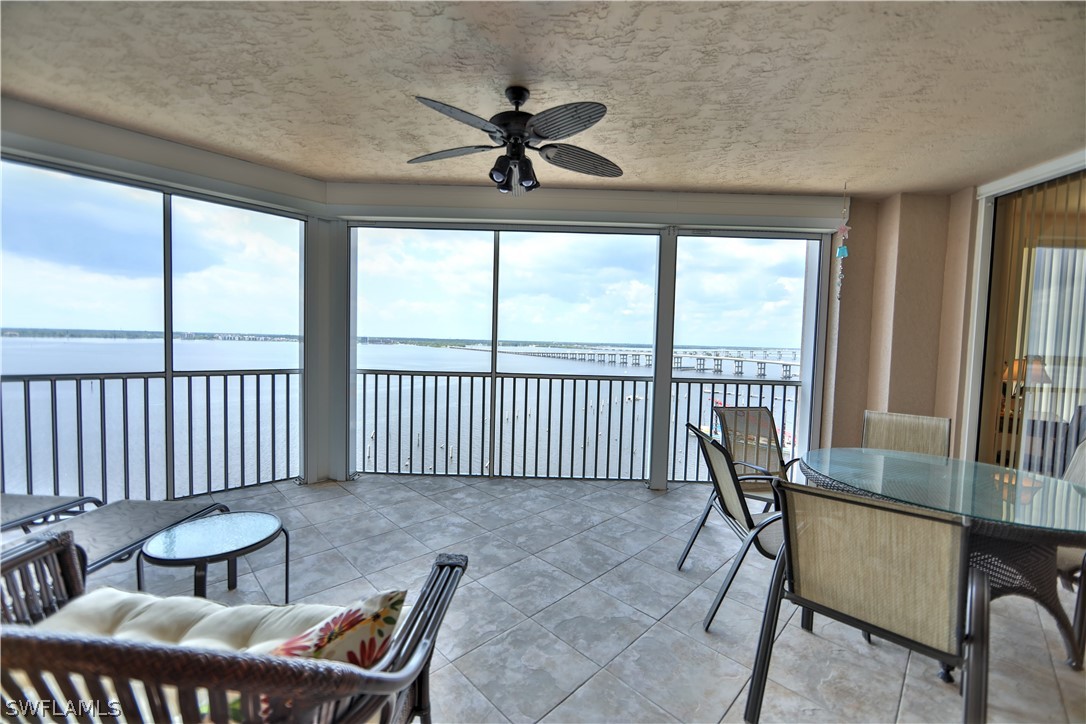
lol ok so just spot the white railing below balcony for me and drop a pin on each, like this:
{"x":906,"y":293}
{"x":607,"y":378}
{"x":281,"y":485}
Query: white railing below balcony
{"x":105,"y":435}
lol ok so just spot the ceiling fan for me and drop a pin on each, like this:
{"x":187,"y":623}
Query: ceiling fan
{"x":517,"y":132}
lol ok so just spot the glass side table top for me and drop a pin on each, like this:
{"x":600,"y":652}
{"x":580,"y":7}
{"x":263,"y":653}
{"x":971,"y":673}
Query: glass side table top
{"x":975,"y":490}
{"x":213,"y":537}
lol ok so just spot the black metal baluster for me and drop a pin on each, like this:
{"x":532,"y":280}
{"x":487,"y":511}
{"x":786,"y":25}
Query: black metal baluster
{"x":274,"y":436}
{"x":411,"y":428}
{"x":538,"y":384}
{"x":53,"y":424}
{"x":188,"y":415}
{"x":241,"y":421}
{"x":147,"y":438}
{"x":207,"y":432}
{"x":27,"y":438}
{"x":102,"y":437}
{"x":124,"y":428}
{"x":561,"y":422}
{"x":259,"y":432}
{"x":225,"y":432}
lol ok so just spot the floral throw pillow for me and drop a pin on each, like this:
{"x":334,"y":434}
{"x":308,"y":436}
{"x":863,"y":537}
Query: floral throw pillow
{"x":358,"y":635}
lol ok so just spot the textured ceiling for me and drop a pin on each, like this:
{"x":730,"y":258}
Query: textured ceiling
{"x":756,"y":97}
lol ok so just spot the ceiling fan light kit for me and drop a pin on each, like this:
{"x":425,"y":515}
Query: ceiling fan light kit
{"x":517,"y":131}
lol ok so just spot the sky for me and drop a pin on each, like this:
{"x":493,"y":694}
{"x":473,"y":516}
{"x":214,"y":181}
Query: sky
{"x":576,"y":287}
{"x":77,"y":253}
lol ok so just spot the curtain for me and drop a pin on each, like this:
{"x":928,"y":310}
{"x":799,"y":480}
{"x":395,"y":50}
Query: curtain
{"x":1037,"y":327}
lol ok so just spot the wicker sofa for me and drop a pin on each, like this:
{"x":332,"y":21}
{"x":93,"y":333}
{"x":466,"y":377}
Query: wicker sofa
{"x":93,"y":677}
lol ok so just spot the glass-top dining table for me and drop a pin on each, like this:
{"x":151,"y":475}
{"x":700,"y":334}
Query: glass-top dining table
{"x":1017,"y":518}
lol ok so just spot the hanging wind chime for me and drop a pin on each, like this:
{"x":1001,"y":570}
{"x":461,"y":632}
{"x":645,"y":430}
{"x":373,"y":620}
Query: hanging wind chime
{"x":842,"y":237}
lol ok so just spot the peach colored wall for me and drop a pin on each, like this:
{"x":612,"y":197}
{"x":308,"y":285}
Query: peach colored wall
{"x":917,"y":314}
{"x":883,"y":295}
{"x":956,"y":308}
{"x":896,"y":341}
{"x":849,"y":328}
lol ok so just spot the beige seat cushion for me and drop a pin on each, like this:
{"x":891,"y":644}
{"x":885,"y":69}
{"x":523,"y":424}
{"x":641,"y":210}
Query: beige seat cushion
{"x":185,"y":620}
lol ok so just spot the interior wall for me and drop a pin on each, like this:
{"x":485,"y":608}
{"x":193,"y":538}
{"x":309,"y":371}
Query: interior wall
{"x":897,"y":338}
{"x":849,"y":331}
{"x":882,"y":303}
{"x":917,"y":316}
{"x":956,"y":310}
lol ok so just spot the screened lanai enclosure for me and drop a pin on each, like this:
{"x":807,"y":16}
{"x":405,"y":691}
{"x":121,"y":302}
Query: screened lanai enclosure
{"x":154,"y":343}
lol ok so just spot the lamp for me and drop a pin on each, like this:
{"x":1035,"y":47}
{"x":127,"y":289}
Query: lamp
{"x":1025,"y":371}
{"x":527,"y":174}
{"x":500,"y":172}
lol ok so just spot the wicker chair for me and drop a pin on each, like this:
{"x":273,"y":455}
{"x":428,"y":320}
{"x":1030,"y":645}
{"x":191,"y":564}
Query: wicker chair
{"x":898,"y":572}
{"x":761,"y":530}
{"x":160,"y":682}
{"x":906,"y":433}
{"x":23,"y":511}
{"x":1071,"y":562}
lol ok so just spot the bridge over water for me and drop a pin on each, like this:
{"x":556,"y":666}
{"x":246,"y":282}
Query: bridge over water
{"x":787,"y":359}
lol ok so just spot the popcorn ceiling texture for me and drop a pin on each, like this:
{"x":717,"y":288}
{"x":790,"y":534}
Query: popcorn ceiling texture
{"x":754,"y":97}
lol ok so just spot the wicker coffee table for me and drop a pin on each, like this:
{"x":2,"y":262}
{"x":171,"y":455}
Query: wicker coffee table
{"x":214,"y":539}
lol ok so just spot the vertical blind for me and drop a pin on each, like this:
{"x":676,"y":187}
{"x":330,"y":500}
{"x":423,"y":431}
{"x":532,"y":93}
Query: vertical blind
{"x":1037,"y":327}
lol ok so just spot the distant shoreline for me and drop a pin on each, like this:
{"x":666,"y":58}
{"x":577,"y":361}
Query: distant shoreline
{"x":36,"y":333}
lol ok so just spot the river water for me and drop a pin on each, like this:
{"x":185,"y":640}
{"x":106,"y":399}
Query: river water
{"x":235,"y":429}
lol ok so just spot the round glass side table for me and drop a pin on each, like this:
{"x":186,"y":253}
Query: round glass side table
{"x":213,"y":539}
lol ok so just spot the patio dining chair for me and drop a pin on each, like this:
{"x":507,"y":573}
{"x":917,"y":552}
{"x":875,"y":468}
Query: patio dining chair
{"x":760,"y":530}
{"x":750,"y":434}
{"x":906,"y":433}
{"x":23,"y":511}
{"x":898,"y":572}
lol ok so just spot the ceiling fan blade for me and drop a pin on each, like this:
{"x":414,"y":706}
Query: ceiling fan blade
{"x":451,"y":153}
{"x":564,"y":121}
{"x":579,"y":160}
{"x":463,"y":116}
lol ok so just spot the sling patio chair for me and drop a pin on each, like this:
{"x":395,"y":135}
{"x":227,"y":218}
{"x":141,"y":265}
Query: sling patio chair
{"x":750,"y":434}
{"x":117,"y":530}
{"x":149,"y":659}
{"x":906,"y":433}
{"x":23,"y":511}
{"x":761,"y":530}
{"x":898,"y":572}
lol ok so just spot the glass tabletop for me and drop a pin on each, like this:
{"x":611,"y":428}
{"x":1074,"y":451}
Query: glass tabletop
{"x":213,"y":537}
{"x":975,"y":490}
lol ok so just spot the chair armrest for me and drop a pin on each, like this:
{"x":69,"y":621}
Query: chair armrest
{"x":752,"y":466}
{"x":41,"y":574}
{"x":766,"y":477}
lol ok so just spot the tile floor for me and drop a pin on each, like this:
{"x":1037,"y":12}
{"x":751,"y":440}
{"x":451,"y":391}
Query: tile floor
{"x":572,"y":610}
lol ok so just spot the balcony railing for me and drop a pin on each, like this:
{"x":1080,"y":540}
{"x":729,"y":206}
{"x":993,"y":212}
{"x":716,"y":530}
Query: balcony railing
{"x":548,"y":426}
{"x":106,"y":434}
{"x":693,"y":400}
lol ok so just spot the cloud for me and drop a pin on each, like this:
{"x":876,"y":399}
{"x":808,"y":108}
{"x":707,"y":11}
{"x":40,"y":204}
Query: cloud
{"x":235,"y":270}
{"x":45,"y":294}
{"x":739,"y":292}
{"x":80,"y":222}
